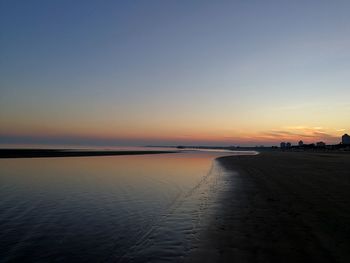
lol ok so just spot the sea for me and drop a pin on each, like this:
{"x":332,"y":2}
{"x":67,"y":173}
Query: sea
{"x":136,"y":208}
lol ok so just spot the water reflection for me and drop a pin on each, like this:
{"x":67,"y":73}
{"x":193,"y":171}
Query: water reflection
{"x":104,"y":208}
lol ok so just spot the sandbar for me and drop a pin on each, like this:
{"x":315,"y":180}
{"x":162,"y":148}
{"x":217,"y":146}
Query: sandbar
{"x":36,"y":153}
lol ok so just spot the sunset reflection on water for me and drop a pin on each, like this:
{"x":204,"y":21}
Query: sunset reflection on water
{"x":102,"y":208}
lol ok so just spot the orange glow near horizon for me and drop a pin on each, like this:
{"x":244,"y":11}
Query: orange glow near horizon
{"x":262,"y":125}
{"x":191,"y":136}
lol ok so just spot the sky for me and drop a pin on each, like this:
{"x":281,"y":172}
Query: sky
{"x":174,"y":72}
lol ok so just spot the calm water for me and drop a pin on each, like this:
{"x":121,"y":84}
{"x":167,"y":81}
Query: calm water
{"x":105,"y":209}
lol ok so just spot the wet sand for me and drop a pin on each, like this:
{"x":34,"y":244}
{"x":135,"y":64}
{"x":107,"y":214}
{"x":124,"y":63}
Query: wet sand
{"x":35,"y":153}
{"x":281,"y":207}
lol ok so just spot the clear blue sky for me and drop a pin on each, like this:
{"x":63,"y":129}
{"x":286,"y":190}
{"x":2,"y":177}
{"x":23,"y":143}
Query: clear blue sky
{"x":184,"y":72}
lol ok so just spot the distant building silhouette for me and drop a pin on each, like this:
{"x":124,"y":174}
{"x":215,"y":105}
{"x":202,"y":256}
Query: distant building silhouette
{"x":300,"y":143}
{"x":345,"y":139}
{"x":321,"y":144}
{"x":283,"y":145}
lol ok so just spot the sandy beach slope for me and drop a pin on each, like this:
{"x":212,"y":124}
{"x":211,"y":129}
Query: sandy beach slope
{"x":281,"y":207}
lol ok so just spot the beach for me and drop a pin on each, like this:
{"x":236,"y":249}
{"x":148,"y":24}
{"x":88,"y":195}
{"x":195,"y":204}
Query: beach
{"x":280,"y":207}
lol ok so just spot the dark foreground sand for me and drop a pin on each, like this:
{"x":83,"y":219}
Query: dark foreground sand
{"x":281,"y":207}
{"x":35,"y":153}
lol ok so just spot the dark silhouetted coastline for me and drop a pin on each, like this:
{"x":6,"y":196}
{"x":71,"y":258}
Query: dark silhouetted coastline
{"x":33,"y":153}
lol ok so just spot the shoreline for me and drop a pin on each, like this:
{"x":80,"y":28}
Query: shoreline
{"x":280,"y":207}
{"x":39,"y":153}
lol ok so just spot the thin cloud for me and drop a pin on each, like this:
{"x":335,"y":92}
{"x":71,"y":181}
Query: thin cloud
{"x":295,"y":133}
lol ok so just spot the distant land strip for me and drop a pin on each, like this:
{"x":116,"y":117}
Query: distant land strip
{"x":35,"y":153}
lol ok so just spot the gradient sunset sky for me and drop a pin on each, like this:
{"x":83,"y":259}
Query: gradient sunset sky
{"x":174,"y":72}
